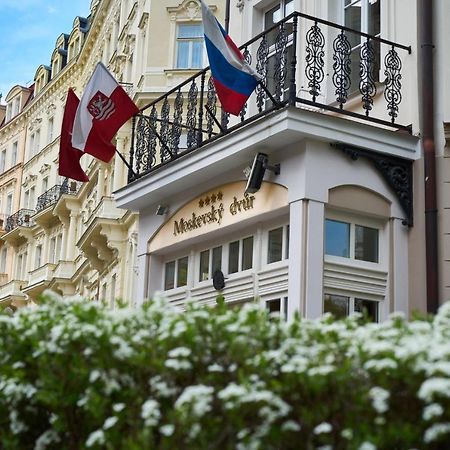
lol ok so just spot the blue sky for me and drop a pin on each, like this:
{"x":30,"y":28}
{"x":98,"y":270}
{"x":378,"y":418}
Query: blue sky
{"x":28,"y":32}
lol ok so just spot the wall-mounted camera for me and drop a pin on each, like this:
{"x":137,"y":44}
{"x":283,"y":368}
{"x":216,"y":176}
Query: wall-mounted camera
{"x":259,"y":167}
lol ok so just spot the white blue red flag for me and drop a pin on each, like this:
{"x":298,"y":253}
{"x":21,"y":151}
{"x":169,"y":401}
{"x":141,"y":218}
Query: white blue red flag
{"x":233,"y":78}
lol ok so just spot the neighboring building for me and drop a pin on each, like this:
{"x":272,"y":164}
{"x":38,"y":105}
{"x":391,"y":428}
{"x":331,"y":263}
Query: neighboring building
{"x":13,"y":130}
{"x":342,"y":227}
{"x":68,"y":236}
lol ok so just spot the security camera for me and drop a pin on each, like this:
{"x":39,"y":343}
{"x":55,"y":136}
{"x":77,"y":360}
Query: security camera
{"x":161,"y":210}
{"x":260,"y":164}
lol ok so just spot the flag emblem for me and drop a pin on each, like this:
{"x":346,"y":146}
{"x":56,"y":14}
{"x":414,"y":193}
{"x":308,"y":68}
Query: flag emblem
{"x":101,"y":107}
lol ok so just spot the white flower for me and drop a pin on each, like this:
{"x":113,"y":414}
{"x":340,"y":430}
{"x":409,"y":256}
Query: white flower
{"x":347,"y":433}
{"x":379,"y":397}
{"x":432,"y":411}
{"x":367,"y":446}
{"x":380,"y":364}
{"x":150,"y":412}
{"x":199,"y":397}
{"x":46,"y":438}
{"x":436,"y":431}
{"x":178,"y":364}
{"x":433,"y":386}
{"x":94,"y":376}
{"x":97,"y":437}
{"x":178,"y":352}
{"x":167,"y":430}
{"x":117,"y":407}
{"x":290,"y":425}
{"x":110,"y":422}
{"x":323,"y":427}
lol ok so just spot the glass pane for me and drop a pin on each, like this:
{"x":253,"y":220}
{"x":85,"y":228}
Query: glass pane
{"x":204,"y":265}
{"x":289,"y":7}
{"x":336,"y":305}
{"x":274,"y":305}
{"x":197,"y":54}
{"x":272,"y":16}
{"x":247,"y":253}
{"x":353,"y":21}
{"x":216,"y":259}
{"x":190,"y":31}
{"x":233,"y":257}
{"x":337,"y":238}
{"x":275,"y":245}
{"x":183,"y":55}
{"x":374,"y":17}
{"x":182,"y":271}
{"x":169,"y":281}
{"x":366,"y":243}
{"x":368,"y":308}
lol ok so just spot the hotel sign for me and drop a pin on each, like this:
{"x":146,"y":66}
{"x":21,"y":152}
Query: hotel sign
{"x":217,"y":209}
{"x":214,"y":211}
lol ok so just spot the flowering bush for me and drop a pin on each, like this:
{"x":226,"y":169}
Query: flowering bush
{"x":75,"y":374}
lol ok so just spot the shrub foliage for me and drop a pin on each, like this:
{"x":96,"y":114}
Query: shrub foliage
{"x":75,"y":374}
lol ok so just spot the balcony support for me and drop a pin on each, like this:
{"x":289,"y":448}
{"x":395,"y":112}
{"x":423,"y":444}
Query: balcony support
{"x":71,"y":238}
{"x":396,"y":171}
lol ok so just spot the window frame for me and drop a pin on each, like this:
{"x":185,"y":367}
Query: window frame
{"x":175,"y":277}
{"x":351,"y":300}
{"x":365,"y":221}
{"x":284,"y":244}
{"x":190,"y":40}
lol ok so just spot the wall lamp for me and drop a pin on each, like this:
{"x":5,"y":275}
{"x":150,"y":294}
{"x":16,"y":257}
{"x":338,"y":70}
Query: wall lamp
{"x":259,"y":167}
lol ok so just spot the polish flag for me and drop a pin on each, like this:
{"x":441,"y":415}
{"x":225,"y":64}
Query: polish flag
{"x":103,"y":109}
{"x":69,"y":157}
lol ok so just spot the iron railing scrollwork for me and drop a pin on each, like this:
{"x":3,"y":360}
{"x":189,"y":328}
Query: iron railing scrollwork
{"x":302,"y":61}
{"x":22,"y":218}
{"x":52,"y":195}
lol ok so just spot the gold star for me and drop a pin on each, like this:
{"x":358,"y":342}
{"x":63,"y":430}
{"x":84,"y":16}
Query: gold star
{"x":207,"y":201}
{"x":213,"y":198}
{"x":200,"y":203}
{"x":219,"y":196}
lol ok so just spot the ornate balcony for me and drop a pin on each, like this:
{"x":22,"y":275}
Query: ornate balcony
{"x":21,"y":218}
{"x":51,"y":196}
{"x":11,"y":293}
{"x":311,"y":66}
{"x":39,"y":280}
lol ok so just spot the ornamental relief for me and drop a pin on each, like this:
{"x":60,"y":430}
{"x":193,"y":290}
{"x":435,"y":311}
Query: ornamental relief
{"x":188,"y":9}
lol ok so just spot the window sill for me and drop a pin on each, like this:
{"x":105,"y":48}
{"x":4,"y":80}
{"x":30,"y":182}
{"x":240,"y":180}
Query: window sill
{"x":172,"y":72}
{"x":351,"y":262}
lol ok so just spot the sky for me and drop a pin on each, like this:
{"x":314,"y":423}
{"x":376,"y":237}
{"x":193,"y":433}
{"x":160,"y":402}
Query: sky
{"x":28,"y":33}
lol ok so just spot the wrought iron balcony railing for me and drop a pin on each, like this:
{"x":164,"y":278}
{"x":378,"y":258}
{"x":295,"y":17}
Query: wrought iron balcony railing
{"x":22,"y":218}
{"x":304,"y":62}
{"x":51,"y":196}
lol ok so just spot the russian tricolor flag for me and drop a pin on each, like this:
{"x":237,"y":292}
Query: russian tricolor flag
{"x":233,"y":78}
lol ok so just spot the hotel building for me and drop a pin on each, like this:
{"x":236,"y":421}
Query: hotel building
{"x":346,"y":224}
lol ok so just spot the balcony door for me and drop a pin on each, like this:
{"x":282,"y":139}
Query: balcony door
{"x":364,"y":16}
{"x":278,"y":60}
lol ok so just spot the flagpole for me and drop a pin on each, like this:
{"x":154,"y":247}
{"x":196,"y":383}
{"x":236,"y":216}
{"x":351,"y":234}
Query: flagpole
{"x":227,"y":16}
{"x":126,"y":163}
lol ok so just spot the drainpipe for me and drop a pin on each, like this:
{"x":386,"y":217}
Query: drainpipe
{"x":427,"y":107}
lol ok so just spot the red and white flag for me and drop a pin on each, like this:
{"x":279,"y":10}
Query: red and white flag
{"x":103,"y":109}
{"x":69,"y":157}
